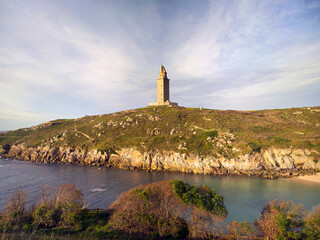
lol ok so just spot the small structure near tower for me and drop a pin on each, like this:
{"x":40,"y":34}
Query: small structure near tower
{"x":163,"y":90}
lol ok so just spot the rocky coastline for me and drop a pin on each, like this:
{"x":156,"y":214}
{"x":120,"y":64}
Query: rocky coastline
{"x":269,"y":163}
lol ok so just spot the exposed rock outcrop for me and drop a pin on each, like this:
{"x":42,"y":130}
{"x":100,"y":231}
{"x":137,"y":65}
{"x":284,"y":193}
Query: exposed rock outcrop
{"x":269,"y":163}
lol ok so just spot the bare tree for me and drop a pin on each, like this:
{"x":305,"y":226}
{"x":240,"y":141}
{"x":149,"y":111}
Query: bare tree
{"x":15,"y":207}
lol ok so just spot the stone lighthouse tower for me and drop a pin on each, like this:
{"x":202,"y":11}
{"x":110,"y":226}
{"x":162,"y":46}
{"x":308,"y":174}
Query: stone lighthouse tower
{"x":162,"y":86}
{"x":163,"y":89}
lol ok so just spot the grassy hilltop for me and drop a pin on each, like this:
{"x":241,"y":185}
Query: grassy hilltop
{"x":202,"y":132}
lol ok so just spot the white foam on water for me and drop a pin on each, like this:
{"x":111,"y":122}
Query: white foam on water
{"x":99,"y":189}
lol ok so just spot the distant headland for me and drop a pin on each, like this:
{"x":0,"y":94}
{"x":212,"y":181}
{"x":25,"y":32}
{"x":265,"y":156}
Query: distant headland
{"x":267,"y":143}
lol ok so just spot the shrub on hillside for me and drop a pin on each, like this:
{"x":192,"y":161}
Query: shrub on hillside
{"x":207,"y":209}
{"x":62,"y":209}
{"x":15,"y":208}
{"x":149,"y":210}
{"x":240,"y":230}
{"x":311,"y":228}
{"x":281,"y":220}
{"x":202,"y":197}
{"x":6,"y":148}
{"x":255,"y":146}
{"x":167,"y":208}
{"x":46,"y":216}
{"x":69,"y":201}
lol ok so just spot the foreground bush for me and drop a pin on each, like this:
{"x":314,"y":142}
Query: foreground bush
{"x":166,"y":209}
{"x":69,"y":202}
{"x":202,"y":197}
{"x":147,"y":210}
{"x":15,"y":208}
{"x":46,"y":216}
{"x":162,"y":210}
{"x":60,"y":210}
{"x":236,"y":230}
{"x":311,"y":229}
{"x":281,"y":220}
{"x":206,"y":206}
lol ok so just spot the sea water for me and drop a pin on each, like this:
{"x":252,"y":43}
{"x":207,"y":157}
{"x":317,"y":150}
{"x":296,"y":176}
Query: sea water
{"x":244,"y":196}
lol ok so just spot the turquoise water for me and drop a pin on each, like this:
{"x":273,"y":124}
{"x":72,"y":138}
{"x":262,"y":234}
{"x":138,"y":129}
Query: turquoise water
{"x":244,"y":196}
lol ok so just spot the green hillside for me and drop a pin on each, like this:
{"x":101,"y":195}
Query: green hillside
{"x":202,"y":132}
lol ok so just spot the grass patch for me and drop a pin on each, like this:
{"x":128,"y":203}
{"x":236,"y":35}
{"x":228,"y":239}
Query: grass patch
{"x":165,"y":129}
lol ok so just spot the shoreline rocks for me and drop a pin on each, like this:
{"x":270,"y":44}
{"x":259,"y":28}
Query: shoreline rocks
{"x":270,"y":163}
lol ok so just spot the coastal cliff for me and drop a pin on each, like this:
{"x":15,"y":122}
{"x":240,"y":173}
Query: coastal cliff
{"x":268,"y":143}
{"x":270,"y":163}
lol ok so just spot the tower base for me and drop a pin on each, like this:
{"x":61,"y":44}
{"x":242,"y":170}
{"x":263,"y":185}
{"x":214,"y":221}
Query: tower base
{"x":166,"y":103}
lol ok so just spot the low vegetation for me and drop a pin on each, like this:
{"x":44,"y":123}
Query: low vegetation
{"x":202,"y":197}
{"x":162,"y":210}
{"x":203,"y":132}
{"x":151,"y":210}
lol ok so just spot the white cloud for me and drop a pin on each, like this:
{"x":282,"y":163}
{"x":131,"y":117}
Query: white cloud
{"x":308,"y":81}
{"x":42,"y":59}
{"x":271,"y":82}
{"x":68,"y":58}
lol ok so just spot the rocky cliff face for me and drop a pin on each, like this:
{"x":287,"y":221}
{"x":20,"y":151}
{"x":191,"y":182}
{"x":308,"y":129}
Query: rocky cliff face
{"x":269,"y":163}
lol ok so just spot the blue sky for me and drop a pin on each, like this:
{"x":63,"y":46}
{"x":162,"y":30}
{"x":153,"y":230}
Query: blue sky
{"x":70,"y":58}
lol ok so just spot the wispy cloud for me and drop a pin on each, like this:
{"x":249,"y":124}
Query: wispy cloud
{"x":44,"y":60}
{"x":308,"y":81}
{"x":246,"y":50}
{"x":63,"y":59}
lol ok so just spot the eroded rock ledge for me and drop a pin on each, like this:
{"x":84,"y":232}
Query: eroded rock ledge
{"x":269,"y":163}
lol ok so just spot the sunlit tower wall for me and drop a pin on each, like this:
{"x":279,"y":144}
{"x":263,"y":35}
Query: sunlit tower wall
{"x":163,"y":86}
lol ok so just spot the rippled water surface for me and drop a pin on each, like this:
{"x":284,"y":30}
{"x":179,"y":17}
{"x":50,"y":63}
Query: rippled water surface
{"x":244,"y":196}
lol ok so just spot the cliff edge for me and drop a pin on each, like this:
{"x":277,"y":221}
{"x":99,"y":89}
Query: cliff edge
{"x":268,"y":143}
